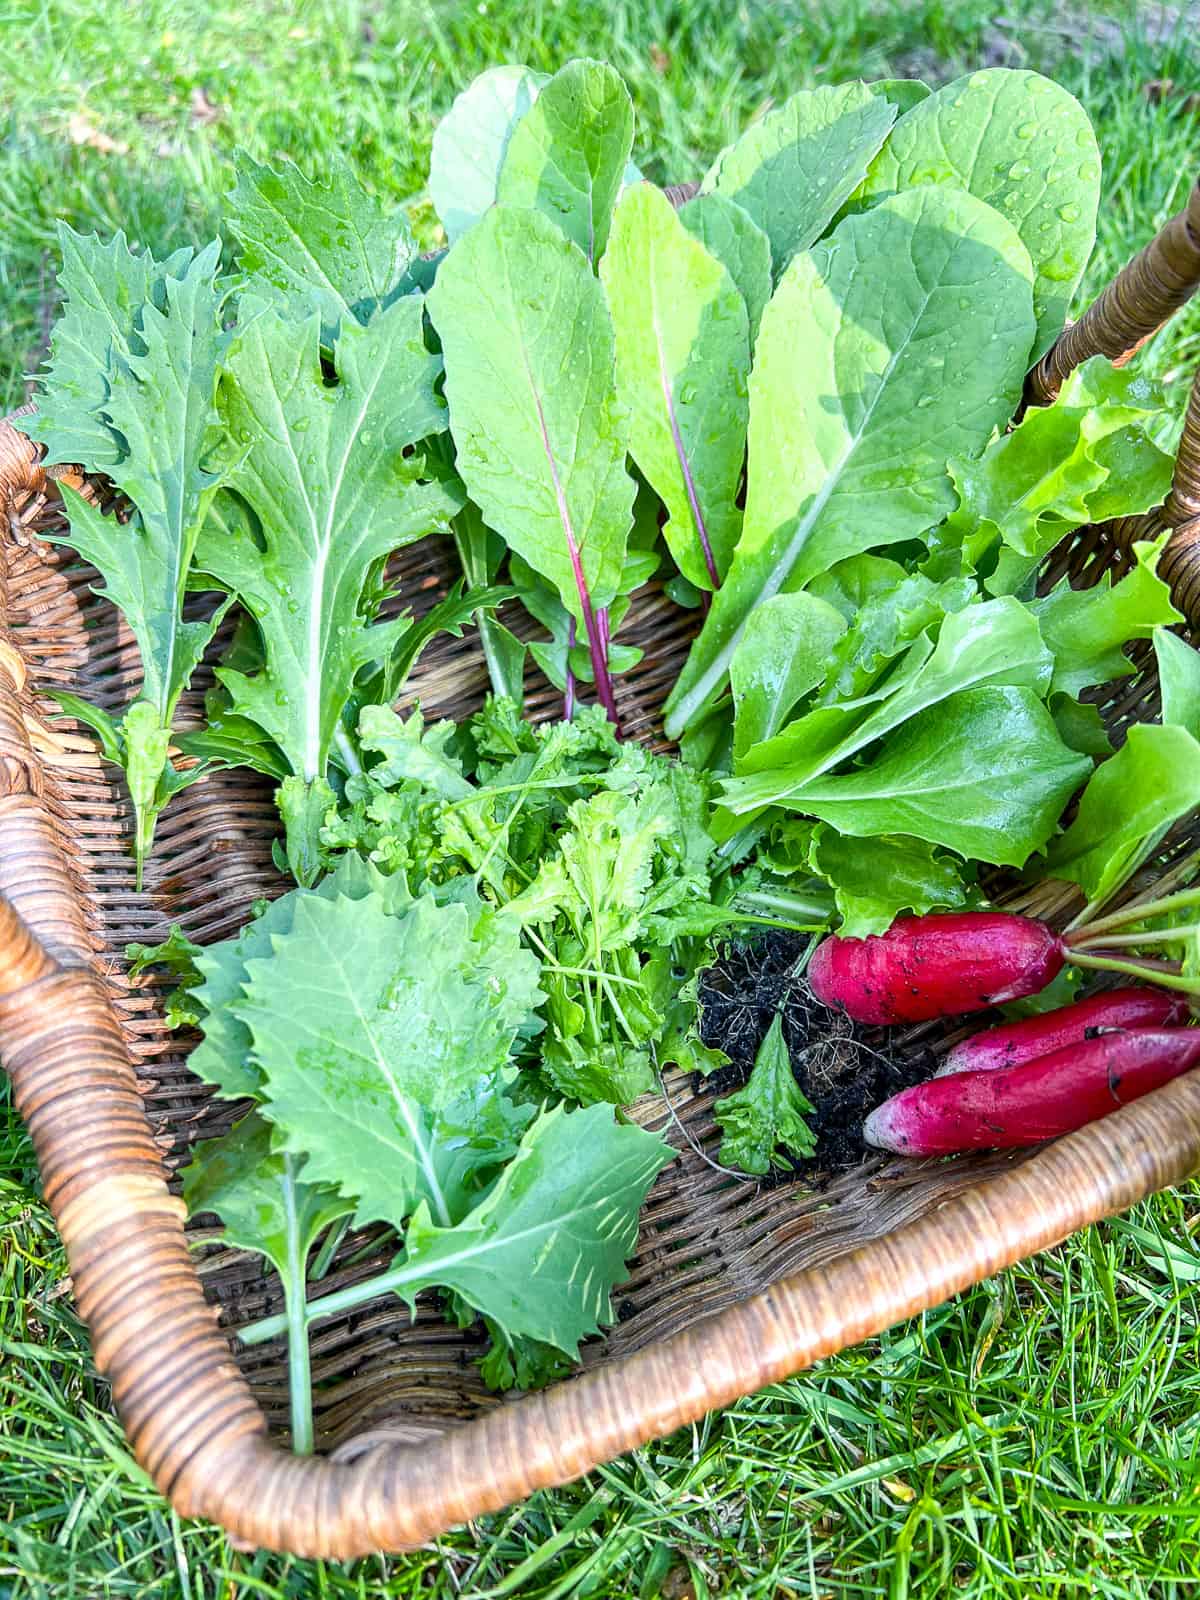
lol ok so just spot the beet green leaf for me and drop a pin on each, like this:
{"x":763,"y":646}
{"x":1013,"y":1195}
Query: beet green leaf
{"x":540,"y":435}
{"x":739,"y":244}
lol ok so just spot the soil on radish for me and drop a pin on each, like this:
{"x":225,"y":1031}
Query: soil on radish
{"x":844,"y":1070}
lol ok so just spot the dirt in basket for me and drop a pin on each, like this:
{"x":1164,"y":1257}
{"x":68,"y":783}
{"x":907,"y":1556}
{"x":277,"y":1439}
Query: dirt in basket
{"x":844,"y":1070}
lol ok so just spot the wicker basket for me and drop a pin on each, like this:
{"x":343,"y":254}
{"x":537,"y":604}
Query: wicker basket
{"x":735,"y":1284}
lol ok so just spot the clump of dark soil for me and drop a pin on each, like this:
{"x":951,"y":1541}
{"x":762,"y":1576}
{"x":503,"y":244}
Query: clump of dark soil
{"x":843,"y":1069}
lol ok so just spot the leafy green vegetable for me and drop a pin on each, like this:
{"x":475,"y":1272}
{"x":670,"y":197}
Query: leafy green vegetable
{"x":875,"y":879}
{"x":334,"y":490}
{"x":1050,"y":475}
{"x":104,"y":288}
{"x":1086,"y":629}
{"x":266,"y":1204}
{"x":883,"y":625}
{"x":792,"y":171}
{"x":470,"y":141}
{"x":779,"y":659}
{"x":1178,"y":679}
{"x":225,"y":1056}
{"x":986,"y":774}
{"x":993,"y":642}
{"x":600,"y":852}
{"x":568,"y":153}
{"x":683,"y":355}
{"x":968,"y":757}
{"x":738,"y":243}
{"x":767,"y":1113}
{"x":1127,"y":808}
{"x":328,"y":244}
{"x":131,"y":392}
{"x":373,"y":1032}
{"x":541,"y":439}
{"x":541,"y":1252}
{"x":1025,"y":145}
{"x":481,"y":552}
{"x":849,"y":446}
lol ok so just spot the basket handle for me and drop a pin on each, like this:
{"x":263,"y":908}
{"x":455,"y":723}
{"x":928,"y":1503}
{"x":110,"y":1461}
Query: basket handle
{"x":1161,"y":277}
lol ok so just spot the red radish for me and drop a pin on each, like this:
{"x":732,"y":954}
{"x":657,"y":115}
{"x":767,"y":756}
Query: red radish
{"x":1040,"y":1100}
{"x":936,"y":966}
{"x":1014,"y":1043}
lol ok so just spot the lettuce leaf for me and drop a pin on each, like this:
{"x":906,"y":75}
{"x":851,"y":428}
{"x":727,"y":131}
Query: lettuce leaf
{"x":1080,"y":460}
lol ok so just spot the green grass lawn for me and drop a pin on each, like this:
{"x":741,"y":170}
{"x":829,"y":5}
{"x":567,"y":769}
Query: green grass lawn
{"x":1040,"y":1436}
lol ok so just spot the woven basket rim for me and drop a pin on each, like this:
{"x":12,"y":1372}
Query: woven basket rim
{"x":189,"y":1415}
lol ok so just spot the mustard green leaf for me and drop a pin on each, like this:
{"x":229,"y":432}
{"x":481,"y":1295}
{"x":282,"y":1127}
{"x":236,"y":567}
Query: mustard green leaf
{"x":682,"y":359}
{"x":541,"y":1253}
{"x":327,"y":243}
{"x":470,"y":142}
{"x":848,"y":447}
{"x":104,"y":288}
{"x":794,"y":169}
{"x":367,"y":1025}
{"x":1026,"y":146}
{"x":328,"y":473}
{"x":568,"y":153}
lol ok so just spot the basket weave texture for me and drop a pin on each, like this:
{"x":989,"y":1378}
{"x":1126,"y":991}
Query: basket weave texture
{"x":735,"y":1284}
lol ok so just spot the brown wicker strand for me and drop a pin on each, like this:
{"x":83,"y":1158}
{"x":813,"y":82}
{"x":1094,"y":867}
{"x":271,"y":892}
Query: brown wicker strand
{"x":1160,"y":279}
{"x":1183,"y":502}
